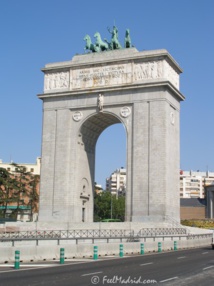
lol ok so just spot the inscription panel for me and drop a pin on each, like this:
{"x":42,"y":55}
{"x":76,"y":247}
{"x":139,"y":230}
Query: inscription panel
{"x":100,"y":76}
{"x":111,"y":75}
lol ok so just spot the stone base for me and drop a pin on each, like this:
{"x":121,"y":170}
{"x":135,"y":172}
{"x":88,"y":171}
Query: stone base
{"x":136,"y":226}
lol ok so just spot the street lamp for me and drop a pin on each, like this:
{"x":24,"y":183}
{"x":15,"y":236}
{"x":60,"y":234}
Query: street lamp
{"x":111,"y":205}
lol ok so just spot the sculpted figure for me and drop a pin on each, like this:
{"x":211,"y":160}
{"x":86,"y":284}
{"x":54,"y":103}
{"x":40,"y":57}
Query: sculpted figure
{"x":128,"y":43}
{"x":90,"y":46}
{"x":103,"y":46}
{"x":100,"y":102}
{"x":114,"y":39}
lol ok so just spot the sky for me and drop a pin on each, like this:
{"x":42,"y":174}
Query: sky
{"x":37,"y":32}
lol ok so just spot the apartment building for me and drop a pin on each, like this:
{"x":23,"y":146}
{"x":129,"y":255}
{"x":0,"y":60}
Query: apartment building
{"x":116,"y":183}
{"x":33,"y":168}
{"x":193,"y":184}
{"x":24,"y":203}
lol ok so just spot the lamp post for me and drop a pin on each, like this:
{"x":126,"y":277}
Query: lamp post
{"x":111,"y":205}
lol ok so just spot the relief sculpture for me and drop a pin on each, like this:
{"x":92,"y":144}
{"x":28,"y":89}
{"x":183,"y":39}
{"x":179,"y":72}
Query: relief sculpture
{"x":155,"y":70}
{"x":148,"y":70}
{"x":58,"y":80}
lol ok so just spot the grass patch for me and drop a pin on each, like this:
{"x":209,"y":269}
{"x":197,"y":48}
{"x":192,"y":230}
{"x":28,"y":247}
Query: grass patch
{"x":201,"y":223}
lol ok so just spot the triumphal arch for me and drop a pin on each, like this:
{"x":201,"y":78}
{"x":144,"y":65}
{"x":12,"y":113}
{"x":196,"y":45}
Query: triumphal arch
{"x":91,"y":92}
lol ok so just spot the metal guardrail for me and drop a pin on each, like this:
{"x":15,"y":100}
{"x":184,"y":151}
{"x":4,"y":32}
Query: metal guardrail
{"x":161,"y":231}
{"x":90,"y":234}
{"x":198,"y":236}
{"x":65,"y":234}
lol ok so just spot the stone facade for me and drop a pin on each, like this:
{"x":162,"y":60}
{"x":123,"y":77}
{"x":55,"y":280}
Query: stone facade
{"x":84,"y":96}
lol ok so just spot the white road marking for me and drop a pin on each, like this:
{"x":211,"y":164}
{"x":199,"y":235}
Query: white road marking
{"x":35,"y":268}
{"x":169,"y":279}
{"x":28,"y":265}
{"x":208,"y":267}
{"x":181,"y":257}
{"x":78,"y":260}
{"x":146,"y":263}
{"x":204,"y":252}
{"x":87,"y":274}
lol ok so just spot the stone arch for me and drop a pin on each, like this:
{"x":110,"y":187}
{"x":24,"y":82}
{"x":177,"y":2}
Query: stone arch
{"x":92,"y":91}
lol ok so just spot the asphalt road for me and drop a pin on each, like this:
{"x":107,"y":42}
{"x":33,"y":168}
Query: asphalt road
{"x":182,"y":267}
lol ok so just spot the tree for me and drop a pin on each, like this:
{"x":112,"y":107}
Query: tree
{"x":107,"y":205}
{"x":17,"y":190}
{"x":118,"y":207}
{"x":33,"y":195}
{"x":7,"y":184}
{"x":22,"y":179}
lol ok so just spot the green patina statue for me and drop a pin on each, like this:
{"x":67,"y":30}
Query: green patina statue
{"x":128,"y":43}
{"x":89,"y":45}
{"x":114,"y":45}
{"x":101,"y":45}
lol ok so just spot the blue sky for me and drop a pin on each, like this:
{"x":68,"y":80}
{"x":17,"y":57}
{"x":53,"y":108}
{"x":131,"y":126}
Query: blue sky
{"x":37,"y":32}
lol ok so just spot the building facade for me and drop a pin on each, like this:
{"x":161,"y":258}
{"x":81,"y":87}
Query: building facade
{"x":210,"y":201}
{"x":20,"y":201}
{"x":193,"y":184}
{"x":116,"y":183}
{"x":33,"y":168}
{"x":192,"y":208}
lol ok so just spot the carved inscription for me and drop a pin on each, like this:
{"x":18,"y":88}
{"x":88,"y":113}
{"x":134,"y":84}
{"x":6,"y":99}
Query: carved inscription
{"x":111,"y":75}
{"x":100,"y":76}
{"x":59,"y":80}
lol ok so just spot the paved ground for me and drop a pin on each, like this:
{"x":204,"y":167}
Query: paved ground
{"x":183,"y":267}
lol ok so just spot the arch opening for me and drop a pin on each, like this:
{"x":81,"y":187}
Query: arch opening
{"x":94,"y":126}
{"x":110,"y":128}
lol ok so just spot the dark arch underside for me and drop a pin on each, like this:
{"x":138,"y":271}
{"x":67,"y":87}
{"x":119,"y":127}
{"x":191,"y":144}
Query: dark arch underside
{"x":94,"y":126}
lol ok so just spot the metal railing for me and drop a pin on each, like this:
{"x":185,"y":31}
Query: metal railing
{"x":160,"y":231}
{"x":90,"y":234}
{"x":199,"y":236}
{"x":65,"y":234}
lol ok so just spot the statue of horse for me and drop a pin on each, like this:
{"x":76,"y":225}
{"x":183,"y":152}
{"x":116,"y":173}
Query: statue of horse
{"x":89,"y":45}
{"x":99,"y":43}
{"x":128,"y":43}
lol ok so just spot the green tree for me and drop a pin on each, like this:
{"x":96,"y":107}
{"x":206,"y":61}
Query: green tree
{"x":118,"y":207}
{"x":107,"y":205}
{"x":102,"y":206}
{"x":22,"y":179}
{"x":7,"y":184}
{"x":33,"y":194}
{"x":18,"y":189}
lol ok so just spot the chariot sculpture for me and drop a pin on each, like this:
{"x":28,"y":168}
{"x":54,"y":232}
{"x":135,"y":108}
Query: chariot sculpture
{"x":103,"y":45}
